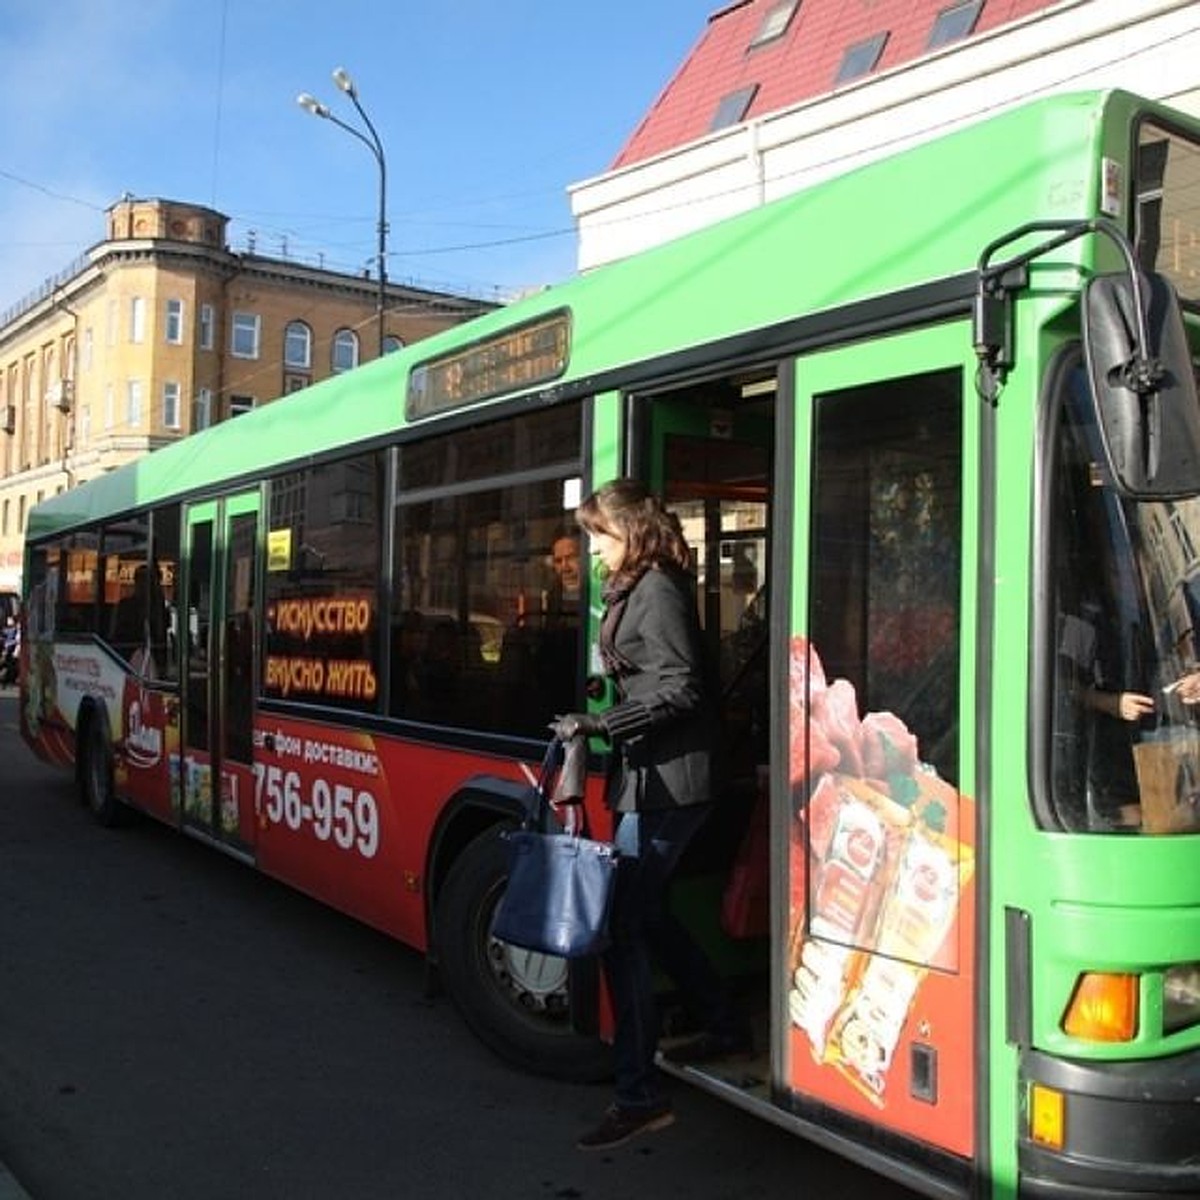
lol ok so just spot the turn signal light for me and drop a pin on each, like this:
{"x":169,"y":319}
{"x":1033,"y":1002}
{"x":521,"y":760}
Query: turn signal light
{"x":1103,"y":1008}
{"x":1047,"y":1111}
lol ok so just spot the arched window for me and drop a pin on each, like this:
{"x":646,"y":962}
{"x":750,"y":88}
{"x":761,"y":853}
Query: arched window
{"x":297,"y":346}
{"x":392,"y":343}
{"x":345,"y":350}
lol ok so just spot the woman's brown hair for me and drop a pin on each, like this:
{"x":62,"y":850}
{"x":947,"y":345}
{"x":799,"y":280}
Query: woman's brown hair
{"x":627,"y":509}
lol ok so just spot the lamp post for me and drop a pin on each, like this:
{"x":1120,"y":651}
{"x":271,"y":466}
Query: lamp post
{"x":341,"y":77}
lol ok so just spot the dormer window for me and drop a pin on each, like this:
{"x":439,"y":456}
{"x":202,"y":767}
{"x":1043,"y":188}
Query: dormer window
{"x":954,"y":23}
{"x":733,"y":107}
{"x":775,"y":22}
{"x":860,"y":59}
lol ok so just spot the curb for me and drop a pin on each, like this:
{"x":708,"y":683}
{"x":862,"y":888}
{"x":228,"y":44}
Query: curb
{"x":10,"y":1189}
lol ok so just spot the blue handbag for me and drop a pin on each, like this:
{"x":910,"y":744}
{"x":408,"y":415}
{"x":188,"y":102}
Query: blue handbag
{"x":560,"y":885}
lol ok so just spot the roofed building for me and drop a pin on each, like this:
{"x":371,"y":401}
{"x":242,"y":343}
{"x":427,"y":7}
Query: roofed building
{"x":160,"y":330}
{"x":779,"y":94}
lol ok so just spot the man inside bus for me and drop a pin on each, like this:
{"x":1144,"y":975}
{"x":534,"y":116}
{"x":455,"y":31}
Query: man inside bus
{"x":563,"y":598}
{"x":540,"y":653}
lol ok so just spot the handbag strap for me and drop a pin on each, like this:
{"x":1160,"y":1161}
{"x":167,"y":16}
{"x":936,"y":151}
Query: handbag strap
{"x":540,"y":814}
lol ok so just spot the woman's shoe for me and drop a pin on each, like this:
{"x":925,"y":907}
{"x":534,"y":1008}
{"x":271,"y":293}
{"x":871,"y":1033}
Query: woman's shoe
{"x":621,"y":1124}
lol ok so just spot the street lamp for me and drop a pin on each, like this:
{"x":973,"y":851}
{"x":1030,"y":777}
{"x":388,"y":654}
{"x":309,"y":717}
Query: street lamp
{"x":341,"y":77}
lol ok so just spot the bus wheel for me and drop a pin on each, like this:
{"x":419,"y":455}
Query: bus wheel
{"x":514,"y":1000}
{"x":96,"y":770}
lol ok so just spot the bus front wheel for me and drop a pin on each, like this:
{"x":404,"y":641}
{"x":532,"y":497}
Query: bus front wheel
{"x":515,"y":1001}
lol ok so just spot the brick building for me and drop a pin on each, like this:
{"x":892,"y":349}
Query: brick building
{"x":161,"y":329}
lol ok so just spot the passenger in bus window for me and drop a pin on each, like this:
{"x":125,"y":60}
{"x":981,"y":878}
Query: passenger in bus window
{"x":563,"y":600}
{"x":539,"y":654}
{"x":661,"y":786}
{"x":1095,"y":675}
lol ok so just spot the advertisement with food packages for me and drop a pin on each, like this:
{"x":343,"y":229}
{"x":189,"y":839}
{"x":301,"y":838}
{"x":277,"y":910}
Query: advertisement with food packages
{"x":881,"y":866}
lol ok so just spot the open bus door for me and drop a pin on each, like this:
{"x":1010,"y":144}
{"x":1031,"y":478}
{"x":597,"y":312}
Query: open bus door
{"x":842,"y":699}
{"x":221,"y":581}
{"x":708,"y":450}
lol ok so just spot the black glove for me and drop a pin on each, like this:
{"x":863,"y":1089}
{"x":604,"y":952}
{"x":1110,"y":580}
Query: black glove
{"x":570,"y":725}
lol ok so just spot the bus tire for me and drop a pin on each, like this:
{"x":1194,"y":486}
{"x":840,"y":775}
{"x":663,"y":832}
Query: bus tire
{"x":515,"y":1002}
{"x":96,"y":788}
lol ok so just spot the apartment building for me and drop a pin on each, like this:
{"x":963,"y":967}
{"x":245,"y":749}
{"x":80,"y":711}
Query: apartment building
{"x":160,"y":330}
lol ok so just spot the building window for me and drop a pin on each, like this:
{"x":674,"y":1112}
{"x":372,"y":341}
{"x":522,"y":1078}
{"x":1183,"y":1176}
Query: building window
{"x":171,"y":405}
{"x":733,"y":107}
{"x":954,"y":23}
{"x":239,"y":405}
{"x":137,"y":320}
{"x":85,"y":427}
{"x":133,"y":403}
{"x":297,"y":346}
{"x":392,"y":343}
{"x":860,"y":59}
{"x":775,"y":22}
{"x":85,"y":355}
{"x":202,"y":417}
{"x":295,"y":383}
{"x":345,"y":350}
{"x":244,"y":342}
{"x":207,"y":326}
{"x":110,"y":325}
{"x":175,"y":322}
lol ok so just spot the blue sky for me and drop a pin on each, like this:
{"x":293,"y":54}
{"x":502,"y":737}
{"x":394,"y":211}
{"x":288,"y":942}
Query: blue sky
{"x":487,"y":112}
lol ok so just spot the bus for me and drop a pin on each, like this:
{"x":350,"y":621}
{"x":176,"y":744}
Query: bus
{"x":931,"y":428}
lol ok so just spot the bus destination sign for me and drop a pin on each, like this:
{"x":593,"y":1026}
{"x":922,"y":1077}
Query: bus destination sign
{"x":517,"y":358}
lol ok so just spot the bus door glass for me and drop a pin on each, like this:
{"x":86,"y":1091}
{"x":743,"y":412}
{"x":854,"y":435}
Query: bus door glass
{"x":878,"y":999}
{"x":221,"y":581}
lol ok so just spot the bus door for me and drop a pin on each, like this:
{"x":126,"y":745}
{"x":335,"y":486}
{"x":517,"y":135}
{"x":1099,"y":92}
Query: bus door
{"x":877,"y":1005}
{"x":219,"y":681}
{"x":708,"y":449}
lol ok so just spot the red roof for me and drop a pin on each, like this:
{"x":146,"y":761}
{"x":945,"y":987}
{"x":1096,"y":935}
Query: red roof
{"x":799,"y":64}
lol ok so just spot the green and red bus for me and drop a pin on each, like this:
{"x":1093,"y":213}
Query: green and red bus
{"x":932,"y":431}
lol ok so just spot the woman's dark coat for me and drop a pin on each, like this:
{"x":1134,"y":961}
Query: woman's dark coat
{"x":663,"y":727}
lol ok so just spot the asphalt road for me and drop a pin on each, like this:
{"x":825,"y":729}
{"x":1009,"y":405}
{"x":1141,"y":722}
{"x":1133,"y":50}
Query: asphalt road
{"x":173,"y":1025}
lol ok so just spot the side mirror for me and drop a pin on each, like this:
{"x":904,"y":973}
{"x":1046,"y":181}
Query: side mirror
{"x":1143,"y":384}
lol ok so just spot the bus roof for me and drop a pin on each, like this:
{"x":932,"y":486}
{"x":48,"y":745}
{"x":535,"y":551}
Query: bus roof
{"x":918,"y":216}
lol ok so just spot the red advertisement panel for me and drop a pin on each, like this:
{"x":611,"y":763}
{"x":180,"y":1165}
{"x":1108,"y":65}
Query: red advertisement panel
{"x":881,"y":964}
{"x":348,"y":817}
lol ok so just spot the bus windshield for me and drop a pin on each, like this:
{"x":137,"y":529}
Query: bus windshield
{"x":1168,"y":204}
{"x":1125,"y":699}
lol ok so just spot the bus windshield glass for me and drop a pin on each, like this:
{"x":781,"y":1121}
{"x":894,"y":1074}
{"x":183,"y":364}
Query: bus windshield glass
{"x":1168,"y":208}
{"x":1125,"y":587}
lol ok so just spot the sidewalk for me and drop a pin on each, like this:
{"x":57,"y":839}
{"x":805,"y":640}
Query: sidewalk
{"x":10,"y":1189}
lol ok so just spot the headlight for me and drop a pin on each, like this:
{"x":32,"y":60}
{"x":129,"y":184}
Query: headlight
{"x":1181,"y":997}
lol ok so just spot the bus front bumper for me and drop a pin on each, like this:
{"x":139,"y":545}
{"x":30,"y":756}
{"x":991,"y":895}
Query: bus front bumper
{"x":1132,"y":1129}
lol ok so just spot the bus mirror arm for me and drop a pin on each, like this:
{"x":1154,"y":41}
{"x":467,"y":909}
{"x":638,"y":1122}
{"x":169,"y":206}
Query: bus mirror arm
{"x":992,"y":332}
{"x":1143,"y":384}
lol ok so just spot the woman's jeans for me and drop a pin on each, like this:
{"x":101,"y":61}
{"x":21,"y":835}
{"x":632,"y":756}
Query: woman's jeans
{"x":644,"y":932}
